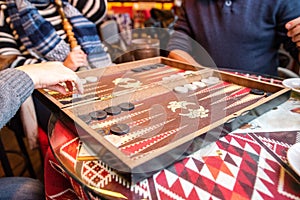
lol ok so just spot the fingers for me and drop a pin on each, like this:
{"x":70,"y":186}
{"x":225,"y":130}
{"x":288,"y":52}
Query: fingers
{"x":296,"y":39}
{"x":293,"y":28}
{"x":78,"y":85}
{"x":81,"y":62}
{"x":294,"y":31}
{"x":52,"y":75}
{"x":75,"y":60}
{"x":59,"y":88}
{"x":72,"y":80}
{"x":78,"y":51}
{"x":69,"y":85}
{"x":292,"y":24}
{"x":59,"y":77}
{"x":79,"y":58}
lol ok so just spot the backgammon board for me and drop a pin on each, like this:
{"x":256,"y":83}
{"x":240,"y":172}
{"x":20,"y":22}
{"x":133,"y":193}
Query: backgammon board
{"x":142,"y":116}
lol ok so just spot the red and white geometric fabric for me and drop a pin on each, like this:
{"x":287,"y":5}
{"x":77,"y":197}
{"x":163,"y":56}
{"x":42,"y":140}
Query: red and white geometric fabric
{"x":237,"y":166}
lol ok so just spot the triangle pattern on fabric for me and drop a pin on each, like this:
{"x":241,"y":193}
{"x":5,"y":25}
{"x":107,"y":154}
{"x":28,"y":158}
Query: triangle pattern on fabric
{"x":171,"y":178}
{"x":261,"y":187}
{"x":192,"y":165}
{"x":188,"y":187}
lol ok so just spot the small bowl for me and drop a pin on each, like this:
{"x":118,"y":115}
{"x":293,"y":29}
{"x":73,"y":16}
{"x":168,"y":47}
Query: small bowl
{"x":293,"y":83}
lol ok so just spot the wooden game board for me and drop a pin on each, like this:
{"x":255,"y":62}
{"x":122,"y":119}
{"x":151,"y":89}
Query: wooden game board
{"x":164,"y":125}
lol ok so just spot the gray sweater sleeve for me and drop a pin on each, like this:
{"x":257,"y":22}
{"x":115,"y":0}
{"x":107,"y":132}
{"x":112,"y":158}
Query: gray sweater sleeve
{"x":15,"y":87}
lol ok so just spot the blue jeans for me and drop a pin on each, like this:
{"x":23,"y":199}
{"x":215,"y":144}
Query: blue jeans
{"x":21,"y":188}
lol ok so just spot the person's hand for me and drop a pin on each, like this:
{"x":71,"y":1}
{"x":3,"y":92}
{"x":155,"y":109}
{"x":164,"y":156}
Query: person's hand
{"x":52,"y":75}
{"x":293,"y":28}
{"x":76,"y":58}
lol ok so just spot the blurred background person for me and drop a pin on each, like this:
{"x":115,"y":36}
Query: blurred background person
{"x":239,"y":35}
{"x":35,"y":31}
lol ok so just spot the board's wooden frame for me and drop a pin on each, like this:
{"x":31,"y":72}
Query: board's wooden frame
{"x":136,"y":170}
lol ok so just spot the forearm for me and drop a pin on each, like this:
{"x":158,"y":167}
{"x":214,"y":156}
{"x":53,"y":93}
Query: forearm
{"x":15,"y":87}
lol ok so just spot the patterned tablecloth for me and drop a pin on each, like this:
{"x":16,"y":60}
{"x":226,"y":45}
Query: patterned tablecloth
{"x":249,"y":163}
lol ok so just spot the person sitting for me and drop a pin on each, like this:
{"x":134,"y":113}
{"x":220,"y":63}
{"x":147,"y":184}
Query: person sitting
{"x":238,"y":35}
{"x":36,"y":32}
{"x":48,"y":30}
{"x":16,"y":85}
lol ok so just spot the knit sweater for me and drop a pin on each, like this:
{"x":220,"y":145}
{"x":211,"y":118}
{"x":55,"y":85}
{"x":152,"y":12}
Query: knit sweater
{"x":15,"y":87}
{"x":238,"y":34}
{"x":94,"y":10}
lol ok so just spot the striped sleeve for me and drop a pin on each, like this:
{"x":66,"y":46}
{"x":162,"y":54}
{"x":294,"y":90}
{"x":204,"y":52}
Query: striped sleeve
{"x":10,"y":45}
{"x":94,"y":10}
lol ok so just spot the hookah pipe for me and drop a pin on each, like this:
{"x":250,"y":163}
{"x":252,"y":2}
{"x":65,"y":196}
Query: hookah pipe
{"x":69,"y":31}
{"x":67,"y":26}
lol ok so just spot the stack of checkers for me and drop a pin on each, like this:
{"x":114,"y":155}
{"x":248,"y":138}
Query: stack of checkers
{"x":117,"y":129}
{"x":147,"y":67}
{"x":195,"y":85}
